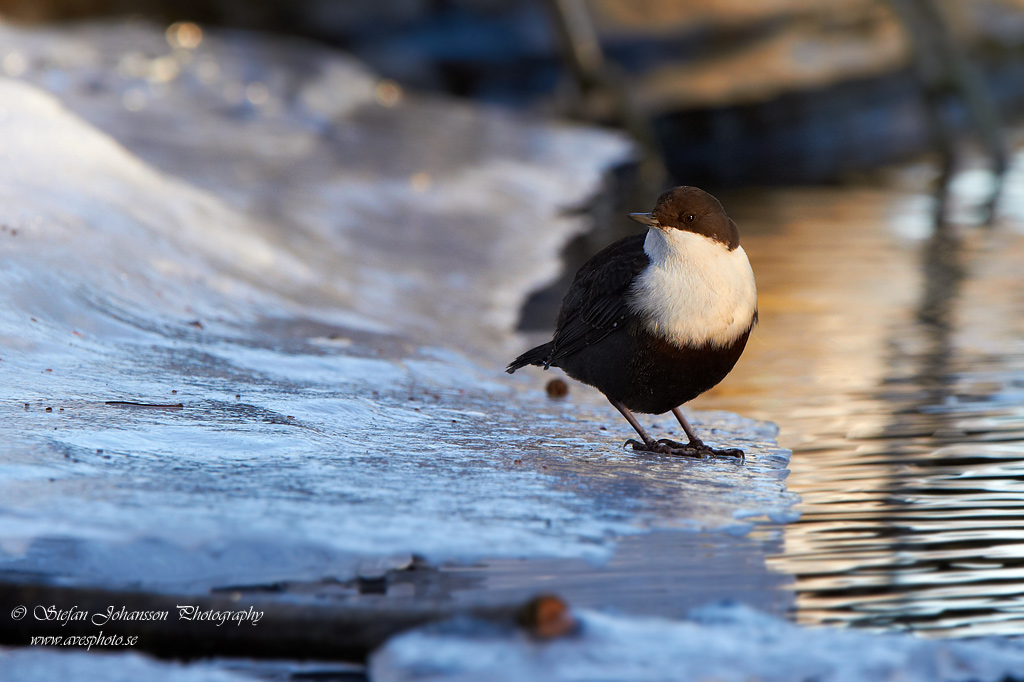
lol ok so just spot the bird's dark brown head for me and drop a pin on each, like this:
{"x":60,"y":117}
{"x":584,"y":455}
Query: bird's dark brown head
{"x":692,"y":210}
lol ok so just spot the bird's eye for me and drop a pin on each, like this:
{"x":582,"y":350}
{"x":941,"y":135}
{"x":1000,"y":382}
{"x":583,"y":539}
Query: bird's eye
{"x":689,"y":217}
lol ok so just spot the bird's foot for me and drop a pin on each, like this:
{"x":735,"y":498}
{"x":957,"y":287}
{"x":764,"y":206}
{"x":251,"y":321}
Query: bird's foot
{"x":695,"y":448}
{"x":659,"y":447}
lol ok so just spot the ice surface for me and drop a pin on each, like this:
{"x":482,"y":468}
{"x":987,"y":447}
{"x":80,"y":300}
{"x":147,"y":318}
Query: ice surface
{"x":724,"y":642}
{"x":430,"y":216}
{"x":308,"y":351}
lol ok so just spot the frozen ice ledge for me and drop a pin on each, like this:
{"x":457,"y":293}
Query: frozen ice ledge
{"x":726,"y":642}
{"x":210,"y":379}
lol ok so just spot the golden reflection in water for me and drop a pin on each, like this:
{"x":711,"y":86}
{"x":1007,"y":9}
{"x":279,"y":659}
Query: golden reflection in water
{"x":892,"y":359}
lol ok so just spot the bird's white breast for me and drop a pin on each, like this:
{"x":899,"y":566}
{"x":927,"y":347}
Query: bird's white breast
{"x":694,"y":291}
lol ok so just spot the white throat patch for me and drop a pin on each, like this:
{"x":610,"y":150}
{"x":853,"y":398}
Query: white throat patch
{"x":695,"y":291}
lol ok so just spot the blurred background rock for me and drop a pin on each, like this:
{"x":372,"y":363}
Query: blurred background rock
{"x":721,"y":92}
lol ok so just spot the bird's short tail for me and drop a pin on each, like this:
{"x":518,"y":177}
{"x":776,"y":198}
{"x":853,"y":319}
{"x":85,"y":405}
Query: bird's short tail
{"x":535,"y":356}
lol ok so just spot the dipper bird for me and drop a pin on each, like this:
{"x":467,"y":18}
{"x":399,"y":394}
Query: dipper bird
{"x":656,"y":319}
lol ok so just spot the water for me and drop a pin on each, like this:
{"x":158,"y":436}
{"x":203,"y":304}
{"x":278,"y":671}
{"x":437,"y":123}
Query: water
{"x":892,"y":358}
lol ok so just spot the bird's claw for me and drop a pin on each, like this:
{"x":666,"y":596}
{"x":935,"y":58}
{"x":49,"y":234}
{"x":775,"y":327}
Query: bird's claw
{"x":731,"y":453}
{"x":658,"y":447}
{"x":697,"y":446}
{"x":695,"y":449}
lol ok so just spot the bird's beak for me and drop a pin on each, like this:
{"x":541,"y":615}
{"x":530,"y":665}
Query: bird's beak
{"x":647,"y":219}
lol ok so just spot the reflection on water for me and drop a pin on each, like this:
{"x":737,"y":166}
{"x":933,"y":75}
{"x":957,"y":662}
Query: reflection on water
{"x":891,"y":354}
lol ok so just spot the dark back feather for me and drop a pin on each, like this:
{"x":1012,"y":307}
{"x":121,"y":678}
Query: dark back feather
{"x":596,"y":303}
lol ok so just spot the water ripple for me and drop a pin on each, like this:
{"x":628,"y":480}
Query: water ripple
{"x":904,"y":408}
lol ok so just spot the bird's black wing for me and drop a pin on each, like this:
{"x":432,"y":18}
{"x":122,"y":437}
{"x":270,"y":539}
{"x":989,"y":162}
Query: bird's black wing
{"x":596,"y":303}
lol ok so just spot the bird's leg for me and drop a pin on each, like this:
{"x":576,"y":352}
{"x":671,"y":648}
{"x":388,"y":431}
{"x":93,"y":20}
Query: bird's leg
{"x":686,"y":427}
{"x":696,"y":445}
{"x":649,"y":444}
